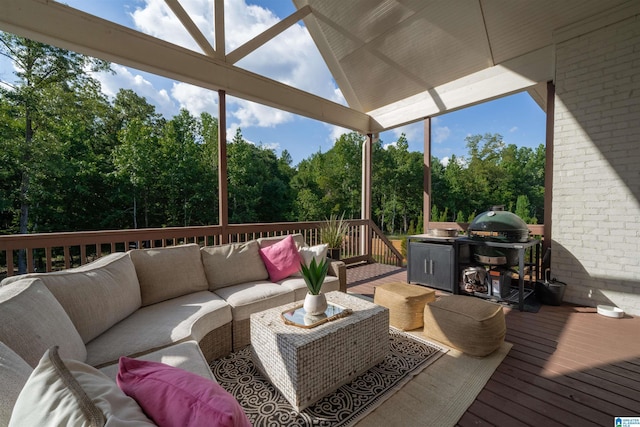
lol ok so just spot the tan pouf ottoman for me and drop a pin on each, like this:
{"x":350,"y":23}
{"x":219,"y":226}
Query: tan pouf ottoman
{"x":405,"y":303}
{"x":471,"y":325}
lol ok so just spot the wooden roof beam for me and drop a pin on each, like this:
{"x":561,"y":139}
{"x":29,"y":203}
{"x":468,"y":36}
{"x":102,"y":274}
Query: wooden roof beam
{"x":267,"y":35}
{"x":56,"y":24}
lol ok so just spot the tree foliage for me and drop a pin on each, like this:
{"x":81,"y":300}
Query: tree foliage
{"x":71,"y":159}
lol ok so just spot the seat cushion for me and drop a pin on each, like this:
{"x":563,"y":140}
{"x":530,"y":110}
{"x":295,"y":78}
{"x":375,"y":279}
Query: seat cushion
{"x":96,"y":295}
{"x":185,"y":355}
{"x":32,"y":321}
{"x":471,"y":325}
{"x":189,"y":317}
{"x":228,"y":265}
{"x":299,"y":287}
{"x":14,"y":372}
{"x":166,"y":273}
{"x":248,"y":298}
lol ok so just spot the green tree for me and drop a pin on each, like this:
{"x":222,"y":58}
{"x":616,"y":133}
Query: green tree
{"x":136,"y":157}
{"x":258,"y":184}
{"x":40,"y":69}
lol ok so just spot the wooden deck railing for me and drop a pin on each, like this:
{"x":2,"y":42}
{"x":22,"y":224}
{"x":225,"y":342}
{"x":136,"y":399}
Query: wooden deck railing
{"x":57,"y":251}
{"x":364,"y":242}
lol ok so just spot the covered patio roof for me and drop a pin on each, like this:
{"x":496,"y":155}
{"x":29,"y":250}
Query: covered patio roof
{"x":395,"y":61}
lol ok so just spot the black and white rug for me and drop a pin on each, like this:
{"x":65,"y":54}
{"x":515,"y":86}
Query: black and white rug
{"x":265,"y":406}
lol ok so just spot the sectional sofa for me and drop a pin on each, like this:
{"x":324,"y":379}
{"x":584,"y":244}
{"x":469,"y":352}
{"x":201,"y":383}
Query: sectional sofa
{"x":183,"y":306}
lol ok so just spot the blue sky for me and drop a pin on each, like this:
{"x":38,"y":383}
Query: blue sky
{"x":517,"y":118}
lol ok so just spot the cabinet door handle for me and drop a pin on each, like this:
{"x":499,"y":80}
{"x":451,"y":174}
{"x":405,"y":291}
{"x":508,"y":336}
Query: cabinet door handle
{"x":431,"y":266}
{"x":425,"y":266}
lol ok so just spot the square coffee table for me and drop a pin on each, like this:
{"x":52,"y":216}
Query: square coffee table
{"x":307,"y":364}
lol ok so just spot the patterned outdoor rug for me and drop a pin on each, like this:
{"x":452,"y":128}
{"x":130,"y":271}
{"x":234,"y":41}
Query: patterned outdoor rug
{"x":265,"y":406}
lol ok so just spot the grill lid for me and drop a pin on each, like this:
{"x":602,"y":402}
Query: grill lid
{"x":499,"y":226}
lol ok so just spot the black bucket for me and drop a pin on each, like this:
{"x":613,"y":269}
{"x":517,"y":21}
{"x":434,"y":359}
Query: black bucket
{"x":550,"y":293}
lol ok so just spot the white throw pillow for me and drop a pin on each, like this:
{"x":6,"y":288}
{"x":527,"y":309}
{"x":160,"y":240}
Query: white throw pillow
{"x":319,"y":252}
{"x":14,"y":373}
{"x":75,"y":394}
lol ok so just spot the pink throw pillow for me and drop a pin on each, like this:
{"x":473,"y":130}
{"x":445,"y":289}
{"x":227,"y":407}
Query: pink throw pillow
{"x":174,"y":397}
{"x":281,"y":259}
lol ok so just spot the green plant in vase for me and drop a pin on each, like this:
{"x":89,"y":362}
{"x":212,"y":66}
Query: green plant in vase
{"x":333,"y":232}
{"x":314,"y":274}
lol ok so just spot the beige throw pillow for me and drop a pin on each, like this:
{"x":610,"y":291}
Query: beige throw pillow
{"x":166,"y":273}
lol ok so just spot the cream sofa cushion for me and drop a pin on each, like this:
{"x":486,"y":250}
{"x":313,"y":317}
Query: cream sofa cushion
{"x":264,"y":242}
{"x":185,"y":355}
{"x":32,"y":321}
{"x":96,"y":295}
{"x":184,"y":318}
{"x":166,"y":273}
{"x":247,"y":298}
{"x":233,"y":263}
{"x":14,"y":372}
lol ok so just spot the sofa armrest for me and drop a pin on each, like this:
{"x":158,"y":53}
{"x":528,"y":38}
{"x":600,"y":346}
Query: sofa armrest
{"x":338,"y":269}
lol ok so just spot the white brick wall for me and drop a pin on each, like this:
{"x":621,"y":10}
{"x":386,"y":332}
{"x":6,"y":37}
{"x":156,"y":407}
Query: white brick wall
{"x":596,"y":180}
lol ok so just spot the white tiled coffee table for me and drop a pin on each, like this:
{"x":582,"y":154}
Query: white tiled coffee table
{"x":307,"y":364}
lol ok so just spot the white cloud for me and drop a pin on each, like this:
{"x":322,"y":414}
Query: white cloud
{"x":272,"y":146}
{"x":413,"y":132}
{"x":441,"y":134}
{"x":156,"y":19}
{"x":126,"y":78}
{"x":445,"y":161}
{"x":249,"y":114}
{"x":513,"y":129}
{"x":195,"y":99}
{"x":291,"y":58}
{"x":335,"y":132}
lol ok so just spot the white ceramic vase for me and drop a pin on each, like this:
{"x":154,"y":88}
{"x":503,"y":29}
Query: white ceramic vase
{"x":315,"y":304}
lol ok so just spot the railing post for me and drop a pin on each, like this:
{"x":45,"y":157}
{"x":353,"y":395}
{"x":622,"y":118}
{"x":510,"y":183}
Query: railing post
{"x":426,"y":175}
{"x":223,"y":190}
{"x":548,"y":173}
{"x":365,"y":209}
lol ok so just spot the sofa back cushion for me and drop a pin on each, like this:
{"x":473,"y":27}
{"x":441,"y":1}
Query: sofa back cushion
{"x":166,"y":273}
{"x":232,"y":264}
{"x":298,"y":238}
{"x":14,"y":372}
{"x":32,"y":320}
{"x":97,"y":295}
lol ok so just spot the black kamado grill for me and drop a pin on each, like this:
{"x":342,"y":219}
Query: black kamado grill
{"x":498,"y":225}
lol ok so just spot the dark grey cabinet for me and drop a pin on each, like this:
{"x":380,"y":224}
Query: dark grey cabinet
{"x":432,"y":264}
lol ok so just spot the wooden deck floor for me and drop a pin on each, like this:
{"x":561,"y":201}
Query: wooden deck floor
{"x":568,"y":366}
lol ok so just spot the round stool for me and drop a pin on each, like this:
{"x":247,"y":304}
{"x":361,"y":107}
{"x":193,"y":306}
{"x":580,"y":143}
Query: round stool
{"x":469,"y":324}
{"x":405,"y":303}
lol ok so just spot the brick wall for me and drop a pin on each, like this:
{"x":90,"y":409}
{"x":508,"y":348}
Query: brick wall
{"x":596,"y":180}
